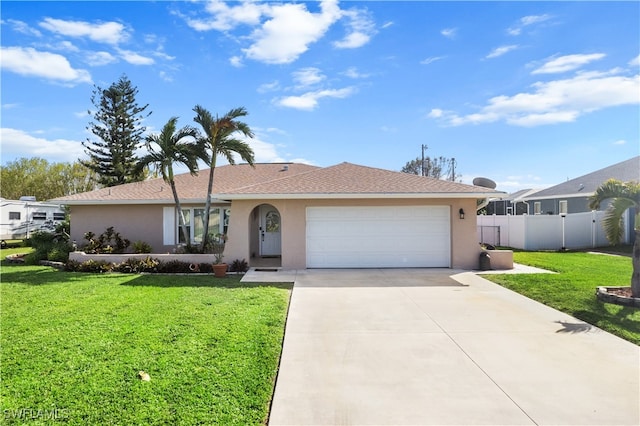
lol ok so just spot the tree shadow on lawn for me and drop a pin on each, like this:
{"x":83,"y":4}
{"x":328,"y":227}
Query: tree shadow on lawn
{"x":46,"y":275}
{"x":169,"y":281}
{"x":623,"y":316}
{"x":42,"y":275}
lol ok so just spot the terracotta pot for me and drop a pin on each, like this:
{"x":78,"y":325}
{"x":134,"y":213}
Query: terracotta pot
{"x":220,"y":270}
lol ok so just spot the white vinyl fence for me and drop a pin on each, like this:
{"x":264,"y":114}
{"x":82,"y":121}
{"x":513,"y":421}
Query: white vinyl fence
{"x":545,"y":232}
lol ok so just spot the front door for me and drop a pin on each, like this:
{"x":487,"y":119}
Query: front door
{"x":269,"y":231}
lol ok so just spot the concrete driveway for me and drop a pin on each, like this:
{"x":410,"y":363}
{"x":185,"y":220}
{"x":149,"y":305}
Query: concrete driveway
{"x":444,"y":347}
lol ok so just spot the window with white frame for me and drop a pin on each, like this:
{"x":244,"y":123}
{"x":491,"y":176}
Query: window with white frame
{"x":537,"y":207}
{"x":194,"y":221}
{"x":563,"y":207}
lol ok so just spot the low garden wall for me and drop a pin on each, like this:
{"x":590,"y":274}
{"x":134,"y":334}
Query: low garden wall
{"x":501,"y":259}
{"x":81,"y":257}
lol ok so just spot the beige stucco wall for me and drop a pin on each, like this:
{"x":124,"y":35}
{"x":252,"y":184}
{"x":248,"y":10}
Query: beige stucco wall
{"x":465,"y":249}
{"x":134,"y":222}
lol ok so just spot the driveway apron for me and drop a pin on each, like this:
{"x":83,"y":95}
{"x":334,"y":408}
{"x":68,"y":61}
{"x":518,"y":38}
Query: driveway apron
{"x":444,"y":347}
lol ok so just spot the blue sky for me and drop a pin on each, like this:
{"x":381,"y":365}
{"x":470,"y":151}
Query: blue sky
{"x":529,"y":94}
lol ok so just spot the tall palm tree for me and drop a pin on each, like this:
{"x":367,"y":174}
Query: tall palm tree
{"x":220,"y":139}
{"x":623,"y":196}
{"x":171,"y":147}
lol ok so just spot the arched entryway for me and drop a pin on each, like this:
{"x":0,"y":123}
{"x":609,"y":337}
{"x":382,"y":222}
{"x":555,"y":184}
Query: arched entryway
{"x":265,"y":229}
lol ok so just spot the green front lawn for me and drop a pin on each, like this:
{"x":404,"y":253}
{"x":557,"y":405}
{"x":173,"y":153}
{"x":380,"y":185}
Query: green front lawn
{"x":573,"y":289}
{"x":73,"y":344}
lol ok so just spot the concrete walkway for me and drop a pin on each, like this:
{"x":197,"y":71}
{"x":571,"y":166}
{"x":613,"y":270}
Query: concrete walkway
{"x":443,"y":347}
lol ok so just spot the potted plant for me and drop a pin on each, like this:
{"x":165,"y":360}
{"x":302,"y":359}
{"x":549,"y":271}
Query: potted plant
{"x":219,"y":267}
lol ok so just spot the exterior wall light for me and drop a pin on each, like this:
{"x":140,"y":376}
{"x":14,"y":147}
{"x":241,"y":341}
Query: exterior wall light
{"x":461,"y":211}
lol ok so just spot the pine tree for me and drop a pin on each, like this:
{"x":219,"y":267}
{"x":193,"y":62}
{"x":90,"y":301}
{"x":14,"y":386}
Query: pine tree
{"x":117,"y":125}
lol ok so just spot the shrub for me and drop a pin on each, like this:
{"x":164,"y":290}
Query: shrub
{"x":109,"y":241}
{"x":48,"y":246}
{"x":136,"y":266}
{"x":239,"y":266}
{"x":141,"y":247}
{"x":94,"y":266}
{"x":174,"y":266}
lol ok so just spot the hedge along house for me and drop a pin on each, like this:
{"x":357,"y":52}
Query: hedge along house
{"x":343,"y":216}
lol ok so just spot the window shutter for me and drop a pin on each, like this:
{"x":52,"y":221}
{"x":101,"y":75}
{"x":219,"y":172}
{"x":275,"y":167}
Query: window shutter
{"x":169,"y":226}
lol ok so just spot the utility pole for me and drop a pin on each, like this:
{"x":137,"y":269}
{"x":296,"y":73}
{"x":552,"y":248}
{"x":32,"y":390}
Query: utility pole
{"x":422,"y":164}
{"x":453,"y":170}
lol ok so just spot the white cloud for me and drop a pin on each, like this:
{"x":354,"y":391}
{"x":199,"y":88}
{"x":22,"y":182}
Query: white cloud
{"x":309,"y":101}
{"x":281,"y":32}
{"x":290,"y":31}
{"x":96,"y":59}
{"x":527,"y":21}
{"x":32,"y":63}
{"x":387,"y":24}
{"x":107,"y":32}
{"x":19,"y":143}
{"x":225,"y":18}
{"x":558,"y":101}
{"x":22,"y":27}
{"x":65,"y":46}
{"x":269,"y":87}
{"x":431,"y":60}
{"x":635,"y":62}
{"x":352,"y":72}
{"x":264,"y":152}
{"x":499,"y":51}
{"x":620,"y":142}
{"x":236,"y":61}
{"x":305,"y":77}
{"x":567,"y":63}
{"x":353,"y":41}
{"x":449,"y":32}
{"x":135,"y":58}
{"x":361,"y":29}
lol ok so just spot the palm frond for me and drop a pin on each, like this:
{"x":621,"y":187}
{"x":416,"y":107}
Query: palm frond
{"x":613,"y":222}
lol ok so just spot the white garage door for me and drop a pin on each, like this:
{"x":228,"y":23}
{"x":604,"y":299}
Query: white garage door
{"x":378,"y":237}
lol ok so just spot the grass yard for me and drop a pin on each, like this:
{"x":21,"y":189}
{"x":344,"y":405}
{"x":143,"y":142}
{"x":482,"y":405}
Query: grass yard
{"x":73,"y":344}
{"x":573,"y":289}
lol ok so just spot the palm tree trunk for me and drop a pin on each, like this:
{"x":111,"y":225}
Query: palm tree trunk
{"x":207,"y":205}
{"x":635,"y":259}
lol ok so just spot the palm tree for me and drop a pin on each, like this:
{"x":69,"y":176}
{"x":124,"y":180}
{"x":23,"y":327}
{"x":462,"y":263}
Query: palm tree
{"x":172,"y":147}
{"x":623,"y":196}
{"x":219,"y":139}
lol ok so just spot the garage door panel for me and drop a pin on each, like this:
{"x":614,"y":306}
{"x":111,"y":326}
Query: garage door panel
{"x":408,"y":236}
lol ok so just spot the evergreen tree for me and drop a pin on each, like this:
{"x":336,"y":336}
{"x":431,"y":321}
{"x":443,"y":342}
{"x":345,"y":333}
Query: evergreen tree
{"x":117,"y":125}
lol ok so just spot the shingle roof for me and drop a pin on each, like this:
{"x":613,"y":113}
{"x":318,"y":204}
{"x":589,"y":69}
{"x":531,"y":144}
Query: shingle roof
{"x":349,"y":180}
{"x":281,"y":180}
{"x":190,"y":188}
{"x":586,"y":185}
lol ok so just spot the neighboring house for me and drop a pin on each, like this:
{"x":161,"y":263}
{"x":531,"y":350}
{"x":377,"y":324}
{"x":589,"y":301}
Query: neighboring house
{"x":343,"y":216}
{"x":573,"y":195}
{"x":20,"y":218}
{"x":556,"y":217}
{"x":512,"y":204}
{"x":568,"y":197}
